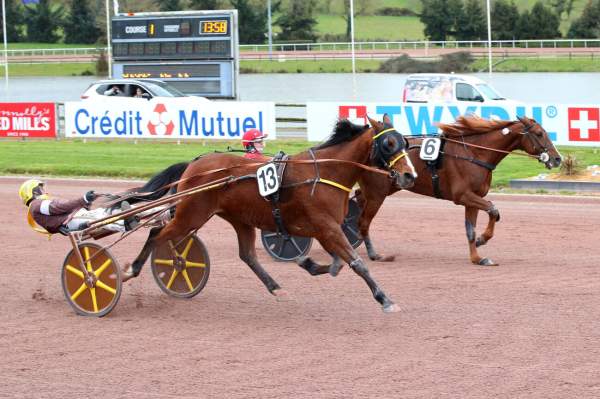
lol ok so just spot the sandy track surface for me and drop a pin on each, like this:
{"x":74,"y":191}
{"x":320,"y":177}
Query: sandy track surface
{"x":528,"y":328}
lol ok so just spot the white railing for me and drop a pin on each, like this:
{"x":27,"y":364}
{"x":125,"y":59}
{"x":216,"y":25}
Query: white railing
{"x":415,"y":45}
{"x":72,"y":51}
{"x":342,"y":46}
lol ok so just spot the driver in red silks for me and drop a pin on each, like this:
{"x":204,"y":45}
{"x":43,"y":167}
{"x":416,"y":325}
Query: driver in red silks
{"x":253,"y":142}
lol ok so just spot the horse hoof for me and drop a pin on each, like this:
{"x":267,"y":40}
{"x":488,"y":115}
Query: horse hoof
{"x":334,"y":270}
{"x":487,"y":262}
{"x":480,"y":241}
{"x":374,"y":257}
{"x":301,"y":261}
{"x":391,"y":308}
{"x":126,"y":273}
{"x":281,"y":295}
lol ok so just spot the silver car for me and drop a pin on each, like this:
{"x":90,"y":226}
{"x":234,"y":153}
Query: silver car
{"x":133,"y":88}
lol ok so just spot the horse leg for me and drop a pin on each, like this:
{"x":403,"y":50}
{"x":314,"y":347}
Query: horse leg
{"x":334,"y":241}
{"x":470,"y":224}
{"x":131,"y":270}
{"x":316,"y":270}
{"x":246,"y":239}
{"x":176,"y":228}
{"x":370,"y":207}
{"x":488,"y":234}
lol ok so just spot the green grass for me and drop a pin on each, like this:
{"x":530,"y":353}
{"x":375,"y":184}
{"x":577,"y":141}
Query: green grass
{"x":126,"y":159}
{"x":518,"y":167}
{"x":373,"y":27}
{"x":110,"y":158}
{"x":308,"y":66}
{"x":54,"y":69}
{"x":560,"y":64}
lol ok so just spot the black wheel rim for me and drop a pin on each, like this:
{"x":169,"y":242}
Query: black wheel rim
{"x":350,"y":225}
{"x":285,"y":248}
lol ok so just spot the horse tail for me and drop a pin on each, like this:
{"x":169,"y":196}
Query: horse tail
{"x":156,"y":182}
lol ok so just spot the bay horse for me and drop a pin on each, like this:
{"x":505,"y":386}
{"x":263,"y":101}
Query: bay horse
{"x":313,"y":198}
{"x":472,"y":149}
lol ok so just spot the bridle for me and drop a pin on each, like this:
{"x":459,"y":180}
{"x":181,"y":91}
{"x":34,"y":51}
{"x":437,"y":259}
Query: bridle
{"x":543,"y":155}
{"x":535,"y":140}
{"x":385,"y":158}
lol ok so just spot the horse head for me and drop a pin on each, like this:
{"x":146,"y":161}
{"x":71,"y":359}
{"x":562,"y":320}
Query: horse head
{"x":535,"y":141}
{"x":389,"y":152}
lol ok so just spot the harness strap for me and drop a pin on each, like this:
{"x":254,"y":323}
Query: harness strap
{"x":334,"y":184}
{"x":477,"y":162}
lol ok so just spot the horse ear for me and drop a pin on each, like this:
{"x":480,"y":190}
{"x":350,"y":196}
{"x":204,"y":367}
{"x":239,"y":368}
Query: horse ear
{"x":523,"y":119}
{"x":378,"y":126}
{"x":387,"y":120}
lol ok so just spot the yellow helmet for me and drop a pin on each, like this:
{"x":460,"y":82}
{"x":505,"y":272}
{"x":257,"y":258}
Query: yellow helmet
{"x":26,"y":190}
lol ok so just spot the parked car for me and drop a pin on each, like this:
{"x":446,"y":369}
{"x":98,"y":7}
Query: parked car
{"x":439,"y":87}
{"x":144,"y":88}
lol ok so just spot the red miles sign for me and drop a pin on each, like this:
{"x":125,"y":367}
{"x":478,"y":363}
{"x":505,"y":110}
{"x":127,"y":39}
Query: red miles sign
{"x":27,"y":120}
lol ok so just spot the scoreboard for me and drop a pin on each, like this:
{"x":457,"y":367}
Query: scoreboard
{"x":195,"y":51}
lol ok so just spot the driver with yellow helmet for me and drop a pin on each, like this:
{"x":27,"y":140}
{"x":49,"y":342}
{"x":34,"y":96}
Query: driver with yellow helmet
{"x":57,"y":215}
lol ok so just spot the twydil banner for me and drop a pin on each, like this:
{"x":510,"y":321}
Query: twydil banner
{"x":167,"y":118}
{"x":566,"y":124}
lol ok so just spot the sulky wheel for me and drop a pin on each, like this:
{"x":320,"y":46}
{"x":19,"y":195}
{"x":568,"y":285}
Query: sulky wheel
{"x":181,"y":267}
{"x":283,"y":248}
{"x":97,"y":294}
{"x":350,"y":225}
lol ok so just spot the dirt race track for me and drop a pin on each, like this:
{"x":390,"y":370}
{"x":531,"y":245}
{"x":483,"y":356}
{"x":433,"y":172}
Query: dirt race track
{"x":528,"y":328}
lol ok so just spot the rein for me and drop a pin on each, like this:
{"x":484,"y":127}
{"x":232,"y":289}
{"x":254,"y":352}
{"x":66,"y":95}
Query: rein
{"x":213,"y":171}
{"x":492,"y":149}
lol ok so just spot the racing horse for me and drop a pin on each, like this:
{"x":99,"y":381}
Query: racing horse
{"x":313,"y":198}
{"x":472,"y":148}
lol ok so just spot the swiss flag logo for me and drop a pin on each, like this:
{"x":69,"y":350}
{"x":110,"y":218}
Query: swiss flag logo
{"x":353,"y":113}
{"x":584,"y":124}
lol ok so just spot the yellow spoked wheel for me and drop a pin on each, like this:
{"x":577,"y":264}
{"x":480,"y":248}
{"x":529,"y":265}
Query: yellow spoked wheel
{"x":97,"y":294}
{"x":181,"y":268}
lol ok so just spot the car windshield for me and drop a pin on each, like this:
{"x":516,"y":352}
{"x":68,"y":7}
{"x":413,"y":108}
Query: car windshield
{"x":489,"y":92}
{"x":161,"y":89}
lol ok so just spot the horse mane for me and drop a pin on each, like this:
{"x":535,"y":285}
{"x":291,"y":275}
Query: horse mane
{"x":343,"y":131}
{"x":472,"y":125}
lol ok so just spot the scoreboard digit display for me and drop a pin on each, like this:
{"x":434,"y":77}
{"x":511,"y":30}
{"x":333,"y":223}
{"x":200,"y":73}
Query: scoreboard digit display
{"x":196,"y":40}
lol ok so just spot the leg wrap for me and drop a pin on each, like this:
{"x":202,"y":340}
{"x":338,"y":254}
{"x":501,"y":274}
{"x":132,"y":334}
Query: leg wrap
{"x":470,"y":230}
{"x":358,"y":266}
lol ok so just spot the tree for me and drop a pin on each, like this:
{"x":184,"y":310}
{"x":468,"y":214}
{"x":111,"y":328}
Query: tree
{"x":440,"y":18}
{"x":562,"y":6}
{"x":80,"y":26}
{"x":14,"y":21}
{"x":505,"y":17}
{"x":43,"y":21}
{"x":471,"y":24}
{"x":587,"y":26}
{"x":203,"y":4}
{"x":297,"y":22}
{"x":252,"y":22}
{"x":168,"y":5}
{"x":540,"y":23}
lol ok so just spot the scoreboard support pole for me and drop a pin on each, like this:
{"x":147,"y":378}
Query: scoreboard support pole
{"x":109,"y":48}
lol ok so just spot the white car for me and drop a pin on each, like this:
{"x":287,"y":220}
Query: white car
{"x":128,"y":88}
{"x":442,"y":88}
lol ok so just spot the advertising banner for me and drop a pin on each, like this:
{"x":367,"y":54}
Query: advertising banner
{"x":167,"y":118}
{"x":27,"y":120}
{"x":577,"y":125}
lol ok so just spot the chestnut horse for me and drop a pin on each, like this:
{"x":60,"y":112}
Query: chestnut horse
{"x":313,"y":198}
{"x":472,"y":149}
